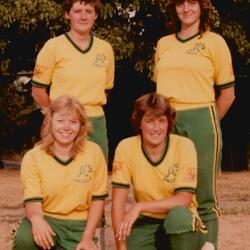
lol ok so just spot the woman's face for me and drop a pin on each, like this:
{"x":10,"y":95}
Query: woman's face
{"x":188,"y":12}
{"x":154,"y":130}
{"x":82,"y":17}
{"x":65,"y":127}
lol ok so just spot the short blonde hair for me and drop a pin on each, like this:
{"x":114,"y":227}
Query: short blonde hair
{"x":69,"y":104}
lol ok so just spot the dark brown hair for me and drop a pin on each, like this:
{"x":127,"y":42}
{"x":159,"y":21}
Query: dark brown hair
{"x":67,"y":4}
{"x":173,"y":23}
{"x":155,"y":104}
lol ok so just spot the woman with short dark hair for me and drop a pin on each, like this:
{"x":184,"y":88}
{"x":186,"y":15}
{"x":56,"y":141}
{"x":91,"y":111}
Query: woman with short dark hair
{"x":162,"y":169}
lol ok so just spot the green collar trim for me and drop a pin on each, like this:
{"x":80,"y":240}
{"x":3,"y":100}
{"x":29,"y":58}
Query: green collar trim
{"x":79,"y":49}
{"x":187,"y":39}
{"x":146,"y":154}
{"x":63,"y":162}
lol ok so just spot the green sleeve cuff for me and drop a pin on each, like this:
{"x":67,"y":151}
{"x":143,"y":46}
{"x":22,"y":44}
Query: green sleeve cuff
{"x":33,"y":199}
{"x":119,"y":185}
{"x":100,"y":197}
{"x":39,"y":84}
{"x":186,"y":189}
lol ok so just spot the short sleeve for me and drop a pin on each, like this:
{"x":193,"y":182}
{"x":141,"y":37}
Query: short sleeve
{"x":110,"y":68}
{"x":30,"y":179}
{"x":223,"y":67}
{"x":186,"y":178}
{"x":121,"y":171}
{"x":100,"y":190}
{"x":45,"y":64}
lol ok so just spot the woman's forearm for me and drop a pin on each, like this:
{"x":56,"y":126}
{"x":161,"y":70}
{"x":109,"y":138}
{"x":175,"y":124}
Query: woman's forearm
{"x":94,"y":216}
{"x":32,"y":210}
{"x":164,"y":205}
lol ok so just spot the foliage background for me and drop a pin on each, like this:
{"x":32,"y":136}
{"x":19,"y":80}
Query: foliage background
{"x":132,"y":27}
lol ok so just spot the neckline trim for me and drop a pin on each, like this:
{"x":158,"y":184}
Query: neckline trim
{"x":187,"y":39}
{"x":63,"y":162}
{"x":163,"y":154}
{"x":79,"y":49}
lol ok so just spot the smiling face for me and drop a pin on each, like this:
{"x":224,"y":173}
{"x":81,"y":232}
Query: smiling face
{"x":65,"y":127}
{"x":154,"y":130}
{"x":189,"y":13}
{"x":82,"y":17}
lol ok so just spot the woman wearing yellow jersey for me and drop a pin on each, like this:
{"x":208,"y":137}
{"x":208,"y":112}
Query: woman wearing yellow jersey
{"x":64,"y":181}
{"x":162,"y":168}
{"x":189,"y":65}
{"x":78,"y":64}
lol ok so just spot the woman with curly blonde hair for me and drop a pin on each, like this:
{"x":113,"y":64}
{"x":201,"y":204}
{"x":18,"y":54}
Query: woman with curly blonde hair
{"x":64,"y":179}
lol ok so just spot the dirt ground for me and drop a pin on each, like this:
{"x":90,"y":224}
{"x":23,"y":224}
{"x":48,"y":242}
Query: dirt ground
{"x":233,"y":193}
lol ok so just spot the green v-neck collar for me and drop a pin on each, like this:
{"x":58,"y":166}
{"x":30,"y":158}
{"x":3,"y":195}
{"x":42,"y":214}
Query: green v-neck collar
{"x":79,"y":49}
{"x":187,"y":39}
{"x":62,"y":162}
{"x":163,"y":154}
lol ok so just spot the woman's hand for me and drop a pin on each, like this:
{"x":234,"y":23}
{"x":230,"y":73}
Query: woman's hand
{"x":127,"y":222}
{"x":42,"y":232}
{"x":86,"y":244}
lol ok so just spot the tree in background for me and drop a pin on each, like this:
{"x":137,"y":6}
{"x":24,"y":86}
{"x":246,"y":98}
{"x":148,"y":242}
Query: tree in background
{"x":131,"y":26}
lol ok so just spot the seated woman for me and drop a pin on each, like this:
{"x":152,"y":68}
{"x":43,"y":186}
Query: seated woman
{"x":162,"y":168}
{"x":64,"y":181}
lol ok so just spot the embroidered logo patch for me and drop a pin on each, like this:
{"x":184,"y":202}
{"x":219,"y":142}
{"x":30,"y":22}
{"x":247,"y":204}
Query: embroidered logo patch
{"x":170,"y":177}
{"x":84,"y":174}
{"x":197,"y":49}
{"x":190,"y":175}
{"x":39,"y":69}
{"x":100,"y":60}
{"x":116,"y":166}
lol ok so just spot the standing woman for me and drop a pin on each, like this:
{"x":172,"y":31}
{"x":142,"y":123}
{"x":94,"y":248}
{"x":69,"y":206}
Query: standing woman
{"x":162,"y":168}
{"x":78,"y":64}
{"x":64,"y":181}
{"x":188,"y":65}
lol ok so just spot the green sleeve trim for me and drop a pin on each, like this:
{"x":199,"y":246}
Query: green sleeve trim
{"x":226,"y":85}
{"x":99,"y":197}
{"x":34,"y":199}
{"x":39,"y":84}
{"x":119,"y":185}
{"x":185,"y":189}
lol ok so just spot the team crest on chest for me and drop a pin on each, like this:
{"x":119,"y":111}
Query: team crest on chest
{"x":171,"y":174}
{"x":197,"y":49}
{"x":100,"y":60}
{"x":84,"y":174}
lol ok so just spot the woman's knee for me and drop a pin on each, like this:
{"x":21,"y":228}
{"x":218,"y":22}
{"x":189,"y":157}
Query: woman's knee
{"x":23,"y":238}
{"x":179,"y":220}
